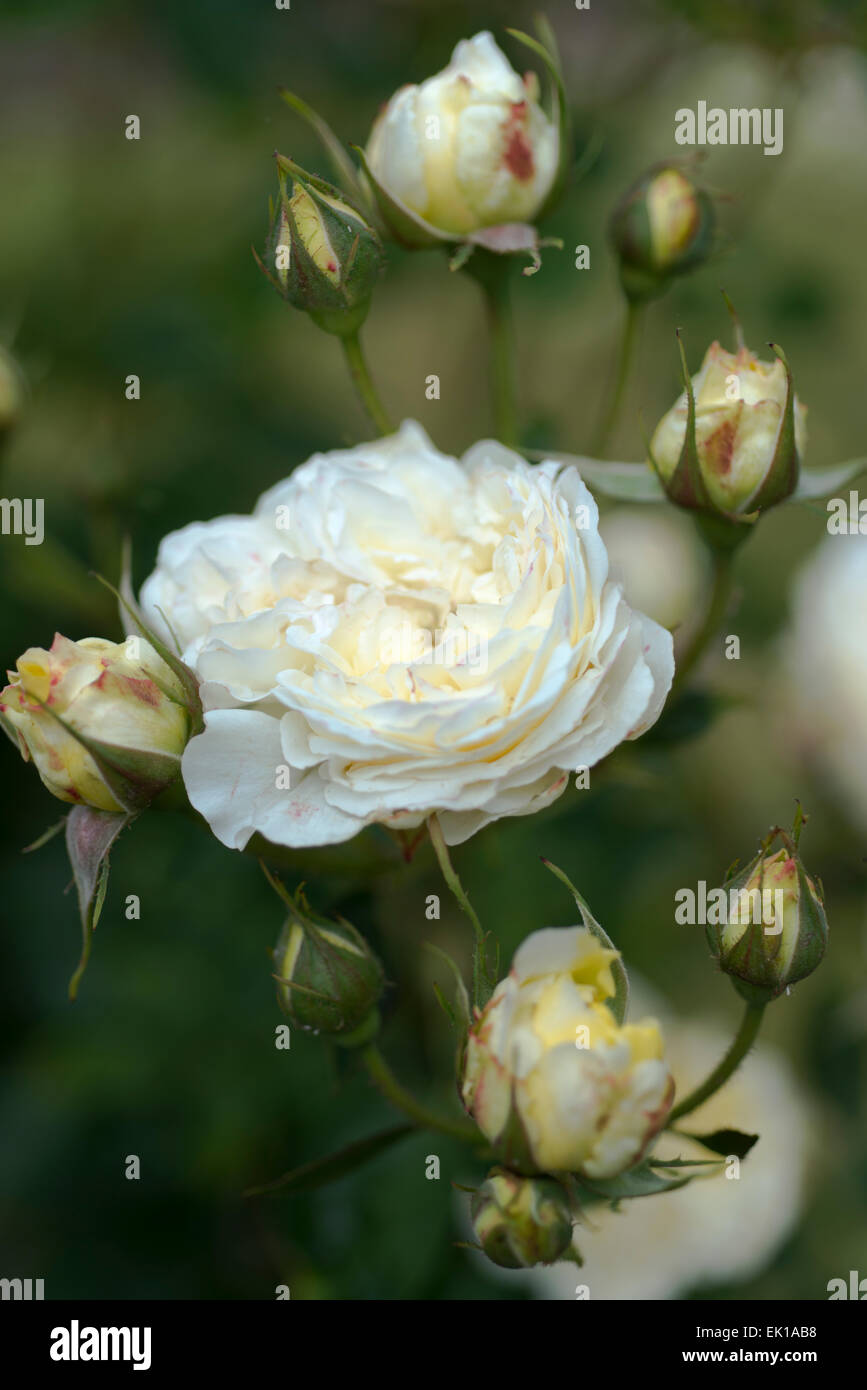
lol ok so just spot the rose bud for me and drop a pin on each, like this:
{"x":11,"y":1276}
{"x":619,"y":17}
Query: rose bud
{"x":733,"y":442}
{"x":551,"y":1079}
{"x":521,"y":1222}
{"x":322,"y":255}
{"x":328,"y":979}
{"x":467,"y":149}
{"x":662,"y":227}
{"x":104,"y":722}
{"x":775,"y":930}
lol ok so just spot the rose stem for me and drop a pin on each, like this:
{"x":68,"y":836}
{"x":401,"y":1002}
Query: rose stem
{"x":625,"y":356}
{"x":719,"y":602}
{"x":743,"y":1041}
{"x":457,"y":888}
{"x":388,"y":1084}
{"x":361,"y":379}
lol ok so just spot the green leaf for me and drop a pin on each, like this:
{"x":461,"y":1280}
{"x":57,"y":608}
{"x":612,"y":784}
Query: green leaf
{"x":637,"y":1182}
{"x":90,"y":835}
{"x":626,"y":482}
{"x":814,"y":484}
{"x":727,"y":1142}
{"x":620,"y":1003}
{"x":321,"y":1171}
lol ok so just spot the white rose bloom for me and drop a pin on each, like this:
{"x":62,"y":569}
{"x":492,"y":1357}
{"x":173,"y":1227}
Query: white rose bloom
{"x":826,"y":661}
{"x":470,"y":147}
{"x":716,"y":1230}
{"x":407,"y":633}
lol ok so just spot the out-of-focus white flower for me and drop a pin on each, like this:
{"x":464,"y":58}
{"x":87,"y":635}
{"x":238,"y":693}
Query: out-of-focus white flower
{"x":655,"y":553}
{"x":825,"y":656}
{"x":550,"y":1077}
{"x":468,"y":148}
{"x":715,"y":1230}
{"x":294,"y":617}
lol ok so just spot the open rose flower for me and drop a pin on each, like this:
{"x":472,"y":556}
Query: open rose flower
{"x":468,"y":148}
{"x":394,"y":633}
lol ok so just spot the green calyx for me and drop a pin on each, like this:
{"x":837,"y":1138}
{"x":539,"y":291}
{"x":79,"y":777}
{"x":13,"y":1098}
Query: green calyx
{"x":328,"y":979}
{"x":323,"y":256}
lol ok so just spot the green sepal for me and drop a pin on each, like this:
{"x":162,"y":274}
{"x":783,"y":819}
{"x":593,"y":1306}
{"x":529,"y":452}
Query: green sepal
{"x":405,"y":226}
{"x":127,"y":605}
{"x":781,"y":479}
{"x":686,"y":485}
{"x":641,"y":1181}
{"x":620,"y":1003}
{"x":90,"y":835}
{"x":342,"y":164}
{"x":547,"y":52}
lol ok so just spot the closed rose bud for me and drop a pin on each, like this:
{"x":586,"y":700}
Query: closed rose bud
{"x":775,"y":930}
{"x":105,"y":723}
{"x":663,"y":227}
{"x":328,"y":979}
{"x":748,"y":440}
{"x":323,"y":255}
{"x":468,"y":148}
{"x":521,"y":1222}
{"x":551,"y":1079}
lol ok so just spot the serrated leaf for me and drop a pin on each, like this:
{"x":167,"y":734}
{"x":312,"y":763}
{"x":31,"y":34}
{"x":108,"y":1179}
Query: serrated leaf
{"x":90,"y":835}
{"x":727,"y":1142}
{"x":321,"y":1171}
{"x":814,"y":483}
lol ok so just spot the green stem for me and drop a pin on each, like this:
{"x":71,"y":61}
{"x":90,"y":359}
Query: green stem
{"x":719,"y":601}
{"x":743,"y":1041}
{"x":492,"y":273}
{"x":448,"y":872}
{"x":388,"y":1084}
{"x":626,"y":353}
{"x":363,"y":384}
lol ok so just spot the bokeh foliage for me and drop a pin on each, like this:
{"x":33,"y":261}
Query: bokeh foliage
{"x":121,"y":257}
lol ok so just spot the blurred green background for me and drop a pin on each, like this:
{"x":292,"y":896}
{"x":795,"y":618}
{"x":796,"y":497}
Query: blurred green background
{"x":121,"y":257}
